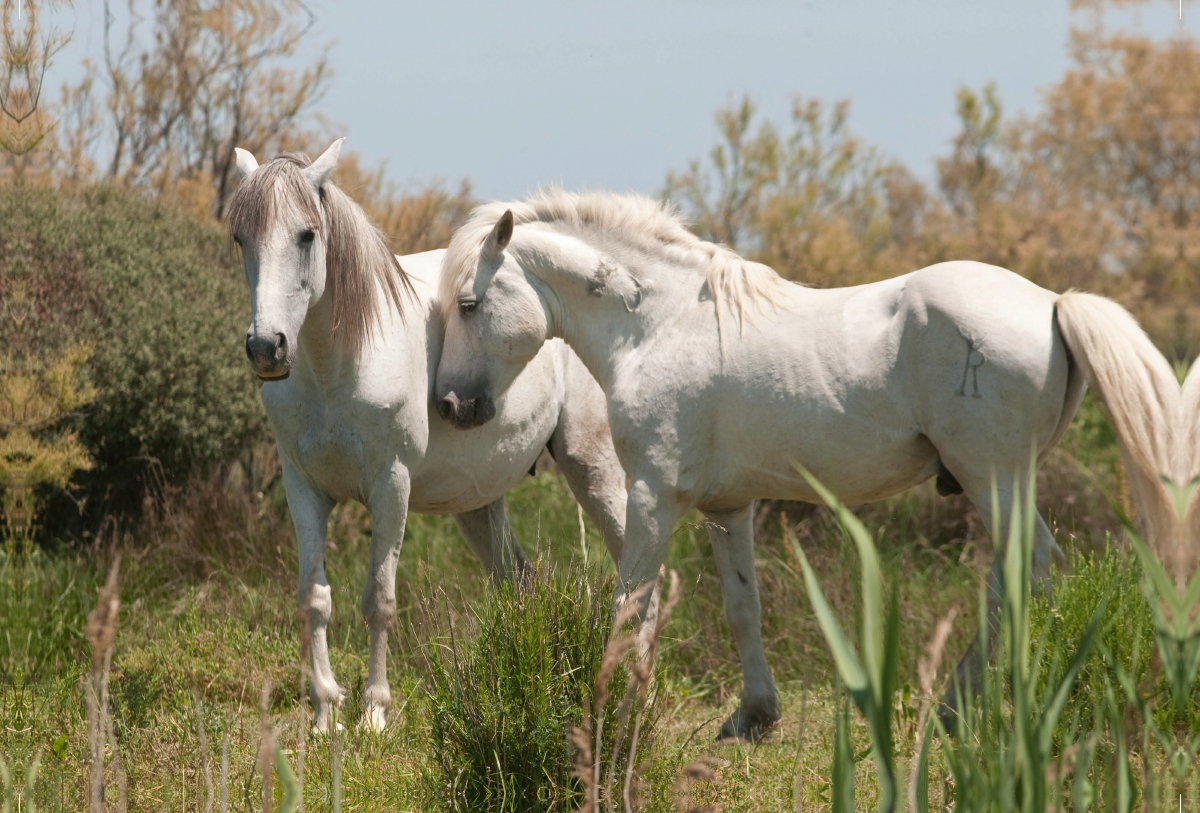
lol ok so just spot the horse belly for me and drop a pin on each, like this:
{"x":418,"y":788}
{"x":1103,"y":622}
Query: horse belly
{"x":860,"y":460}
{"x":824,"y":392}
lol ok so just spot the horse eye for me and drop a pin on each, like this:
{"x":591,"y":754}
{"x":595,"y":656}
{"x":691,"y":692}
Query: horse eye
{"x":307,"y":236}
{"x":467,"y":306}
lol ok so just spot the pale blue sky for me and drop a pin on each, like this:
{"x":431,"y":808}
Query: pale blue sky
{"x":614,"y":94}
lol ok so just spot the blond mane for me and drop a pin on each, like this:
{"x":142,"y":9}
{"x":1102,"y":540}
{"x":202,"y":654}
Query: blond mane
{"x":635,"y":221}
{"x":357,"y":257}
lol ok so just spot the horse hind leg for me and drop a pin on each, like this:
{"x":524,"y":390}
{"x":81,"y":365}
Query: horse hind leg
{"x":490,"y":536}
{"x":732,"y":536}
{"x":1046,"y":551}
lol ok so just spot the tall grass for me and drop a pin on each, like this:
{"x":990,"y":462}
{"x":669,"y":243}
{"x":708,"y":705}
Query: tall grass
{"x":506,"y":681}
{"x":1011,"y":747}
{"x":208,"y":616}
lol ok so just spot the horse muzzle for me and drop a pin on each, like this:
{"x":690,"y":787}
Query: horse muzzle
{"x":270,"y":357}
{"x":466,"y":413}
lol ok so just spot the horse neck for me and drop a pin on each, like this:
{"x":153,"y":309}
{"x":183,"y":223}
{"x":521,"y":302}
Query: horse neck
{"x":599,"y":327}
{"x":318,"y":355}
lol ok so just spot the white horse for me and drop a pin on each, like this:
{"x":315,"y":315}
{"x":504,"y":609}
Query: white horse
{"x":348,"y":344}
{"x":721,"y":377}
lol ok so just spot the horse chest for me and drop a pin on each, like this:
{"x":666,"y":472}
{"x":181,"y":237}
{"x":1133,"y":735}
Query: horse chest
{"x":340,"y":447}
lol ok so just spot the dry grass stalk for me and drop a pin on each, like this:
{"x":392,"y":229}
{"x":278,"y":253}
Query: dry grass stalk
{"x":101,"y":632}
{"x":205,"y":769}
{"x":614,"y":653}
{"x":588,"y":744}
{"x":642,"y":636}
{"x":798,"y":781}
{"x":266,"y":746}
{"x":644,"y":669}
{"x":927,"y":669}
{"x":581,"y":740}
{"x":699,"y":771}
{"x":224,"y":800}
{"x":305,"y":632}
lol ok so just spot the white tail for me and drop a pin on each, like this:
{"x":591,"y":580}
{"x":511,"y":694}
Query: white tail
{"x":1190,"y":439}
{"x":1143,"y":398}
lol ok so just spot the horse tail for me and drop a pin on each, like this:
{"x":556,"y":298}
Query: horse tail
{"x":1190,"y":440}
{"x":1137,"y":385}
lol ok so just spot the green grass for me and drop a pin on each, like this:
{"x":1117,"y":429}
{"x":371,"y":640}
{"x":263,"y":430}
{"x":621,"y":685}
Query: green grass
{"x":208,"y":611}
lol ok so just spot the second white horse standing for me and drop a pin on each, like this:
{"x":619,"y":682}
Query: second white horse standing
{"x":720,"y":377}
{"x":349,"y":357}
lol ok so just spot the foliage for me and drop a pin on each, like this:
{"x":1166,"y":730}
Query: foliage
{"x":36,"y":396}
{"x":817,"y":205}
{"x":1097,"y":190}
{"x":999,"y":754}
{"x":869,"y":673}
{"x":25,"y":54}
{"x":207,"y":76}
{"x":504,"y":688}
{"x":157,"y":296}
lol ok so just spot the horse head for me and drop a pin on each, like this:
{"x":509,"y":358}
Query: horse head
{"x":277,"y":219}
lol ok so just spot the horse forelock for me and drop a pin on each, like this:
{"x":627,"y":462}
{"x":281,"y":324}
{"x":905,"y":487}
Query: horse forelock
{"x":273,"y":192}
{"x":635,"y":221}
{"x":357,"y":256}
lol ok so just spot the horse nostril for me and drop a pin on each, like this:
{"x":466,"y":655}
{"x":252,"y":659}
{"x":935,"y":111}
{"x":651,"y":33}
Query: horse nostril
{"x":445,"y":408}
{"x":280,"y":346}
{"x":249,"y":352}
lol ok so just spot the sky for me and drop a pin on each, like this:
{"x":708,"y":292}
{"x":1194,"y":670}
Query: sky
{"x":518,"y":94}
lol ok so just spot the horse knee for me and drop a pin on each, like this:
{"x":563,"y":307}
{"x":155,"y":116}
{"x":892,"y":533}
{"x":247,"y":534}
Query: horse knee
{"x":377,"y":610}
{"x":318,"y":602}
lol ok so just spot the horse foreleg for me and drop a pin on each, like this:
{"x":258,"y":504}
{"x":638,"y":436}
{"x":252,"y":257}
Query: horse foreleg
{"x":490,"y":536}
{"x":310,"y":515}
{"x":648,"y":528}
{"x":389,"y":511}
{"x":582,"y":447}
{"x":732,"y":536}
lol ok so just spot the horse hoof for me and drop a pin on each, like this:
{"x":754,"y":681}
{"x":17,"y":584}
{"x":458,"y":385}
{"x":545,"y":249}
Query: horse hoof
{"x":374,"y":720}
{"x":322,"y":729}
{"x":748,"y":725}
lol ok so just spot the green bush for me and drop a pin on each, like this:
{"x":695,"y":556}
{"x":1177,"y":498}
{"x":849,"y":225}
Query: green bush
{"x":161,"y":298}
{"x":505,"y":687}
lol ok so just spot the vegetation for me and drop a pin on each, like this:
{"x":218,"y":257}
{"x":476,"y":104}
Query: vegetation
{"x":130,"y":432}
{"x":1094,"y":191}
{"x":109,"y":267}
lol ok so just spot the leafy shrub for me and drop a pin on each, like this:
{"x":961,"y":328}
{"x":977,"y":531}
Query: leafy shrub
{"x":503,"y":694}
{"x":159,"y":296}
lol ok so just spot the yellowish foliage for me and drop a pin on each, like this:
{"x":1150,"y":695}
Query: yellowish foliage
{"x":35,"y":397}
{"x":1099,"y":189}
{"x":25,"y":52}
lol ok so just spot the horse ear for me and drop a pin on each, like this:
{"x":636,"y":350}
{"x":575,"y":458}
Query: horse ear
{"x":319,"y":171}
{"x":498,"y":239}
{"x":245,"y":162}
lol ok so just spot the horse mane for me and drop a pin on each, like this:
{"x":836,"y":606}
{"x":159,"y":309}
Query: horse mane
{"x":357,"y":257}
{"x":635,"y":221}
